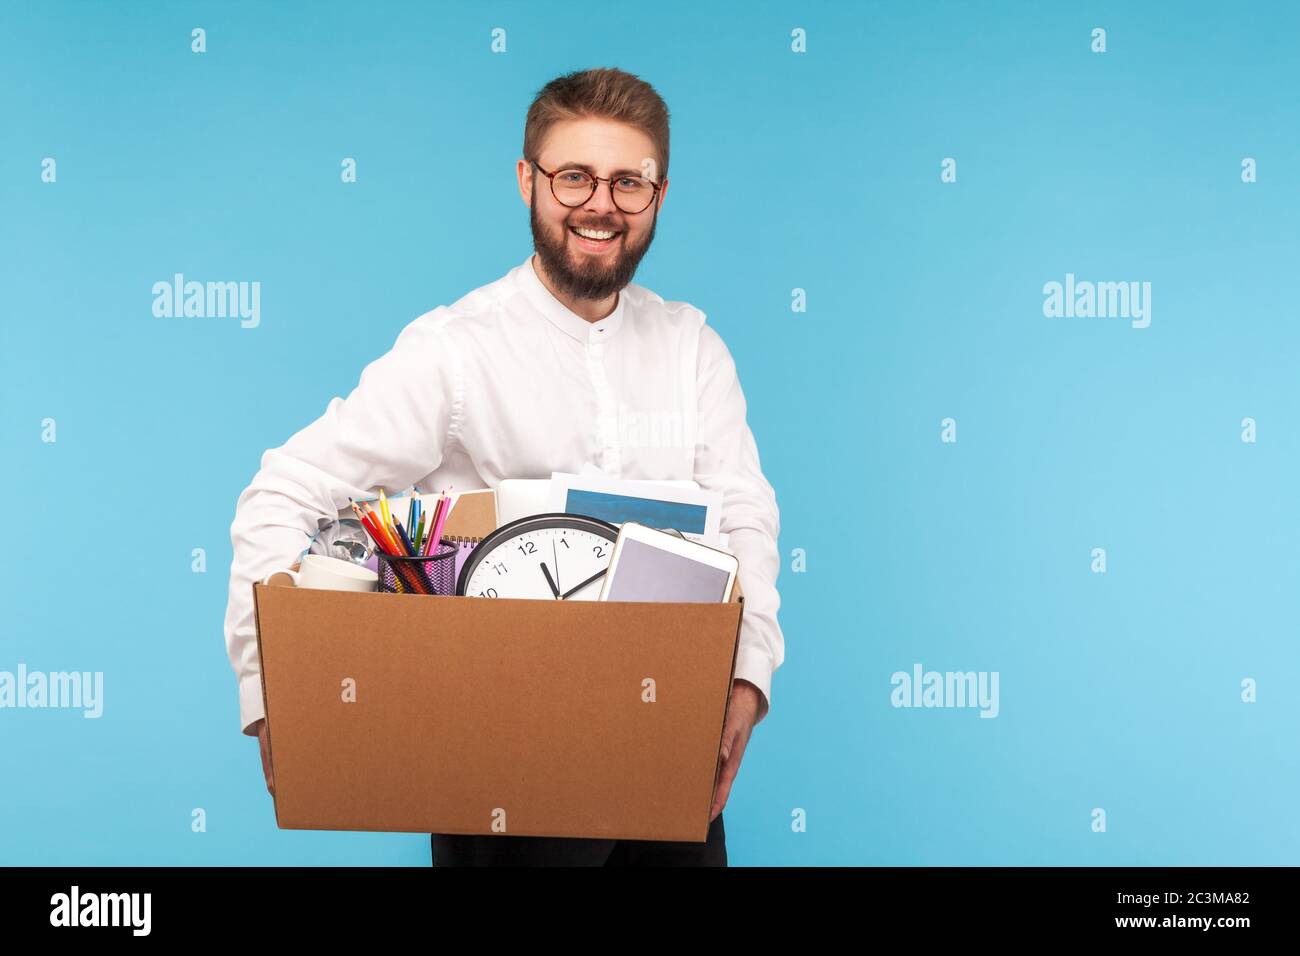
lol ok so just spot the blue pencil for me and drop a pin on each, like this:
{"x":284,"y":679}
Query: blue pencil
{"x":406,"y":542}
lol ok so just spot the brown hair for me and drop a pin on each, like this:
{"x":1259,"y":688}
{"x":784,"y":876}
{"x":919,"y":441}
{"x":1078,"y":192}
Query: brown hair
{"x":606,"y":93}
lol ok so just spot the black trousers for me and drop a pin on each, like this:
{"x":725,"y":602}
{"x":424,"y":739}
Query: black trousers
{"x":459,"y":850}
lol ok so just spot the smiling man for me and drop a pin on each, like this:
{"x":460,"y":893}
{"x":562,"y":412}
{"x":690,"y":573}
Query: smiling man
{"x":541,"y":371}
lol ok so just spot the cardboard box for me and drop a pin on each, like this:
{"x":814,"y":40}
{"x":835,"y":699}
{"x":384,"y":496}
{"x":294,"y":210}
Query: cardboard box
{"x":481,"y":716}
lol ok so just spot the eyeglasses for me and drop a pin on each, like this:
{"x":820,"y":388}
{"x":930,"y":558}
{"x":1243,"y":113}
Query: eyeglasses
{"x":574,"y":187}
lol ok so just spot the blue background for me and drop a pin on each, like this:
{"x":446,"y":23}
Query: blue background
{"x":817,"y":171}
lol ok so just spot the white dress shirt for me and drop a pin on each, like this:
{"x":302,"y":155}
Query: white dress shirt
{"x":509,"y":383}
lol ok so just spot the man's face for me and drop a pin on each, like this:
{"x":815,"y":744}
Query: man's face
{"x":591,"y":268}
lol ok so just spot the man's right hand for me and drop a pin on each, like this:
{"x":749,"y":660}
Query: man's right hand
{"x":264,"y":743}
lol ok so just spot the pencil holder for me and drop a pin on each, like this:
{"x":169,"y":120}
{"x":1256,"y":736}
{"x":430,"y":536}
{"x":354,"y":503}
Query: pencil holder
{"x":435,"y":574}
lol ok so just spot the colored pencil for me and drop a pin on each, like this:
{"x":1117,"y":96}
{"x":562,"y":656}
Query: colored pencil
{"x":377,"y":522}
{"x":390,"y":540}
{"x":369,"y":525}
{"x":415,"y":572}
{"x":405,"y":579}
{"x":404,"y":539}
{"x":380,"y":539}
{"x":430,"y":544}
{"x":404,"y":573}
{"x":426,"y":520}
{"x":440,"y":520}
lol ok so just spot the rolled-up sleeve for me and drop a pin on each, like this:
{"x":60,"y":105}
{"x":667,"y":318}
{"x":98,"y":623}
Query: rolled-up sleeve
{"x":726,"y":460}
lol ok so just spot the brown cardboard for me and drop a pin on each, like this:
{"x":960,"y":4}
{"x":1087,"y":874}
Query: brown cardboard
{"x":467,"y":707}
{"x":474,"y":515}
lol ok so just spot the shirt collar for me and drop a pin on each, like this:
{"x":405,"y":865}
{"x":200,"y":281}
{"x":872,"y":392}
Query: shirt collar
{"x":559,"y":315}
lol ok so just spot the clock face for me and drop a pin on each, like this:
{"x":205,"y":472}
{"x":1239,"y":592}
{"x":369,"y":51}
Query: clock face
{"x":545,"y":557}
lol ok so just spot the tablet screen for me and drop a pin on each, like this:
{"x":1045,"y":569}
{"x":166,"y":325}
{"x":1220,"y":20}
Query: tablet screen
{"x":646,"y":573}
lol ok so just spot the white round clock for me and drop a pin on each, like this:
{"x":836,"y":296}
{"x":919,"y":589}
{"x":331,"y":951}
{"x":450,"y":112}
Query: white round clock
{"x":549,"y":557}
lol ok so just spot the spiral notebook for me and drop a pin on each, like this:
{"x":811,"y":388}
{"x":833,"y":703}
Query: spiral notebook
{"x":464,"y":546}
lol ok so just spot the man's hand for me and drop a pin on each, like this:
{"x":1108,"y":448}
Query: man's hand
{"x":264,"y":743}
{"x":746,"y":701}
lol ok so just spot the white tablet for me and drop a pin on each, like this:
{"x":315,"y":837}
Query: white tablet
{"x":650,"y":565}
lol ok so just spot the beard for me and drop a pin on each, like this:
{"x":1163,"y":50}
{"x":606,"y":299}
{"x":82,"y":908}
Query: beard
{"x":593,"y":277}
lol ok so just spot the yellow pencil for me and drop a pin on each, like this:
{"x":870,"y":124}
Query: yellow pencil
{"x":383,"y":508}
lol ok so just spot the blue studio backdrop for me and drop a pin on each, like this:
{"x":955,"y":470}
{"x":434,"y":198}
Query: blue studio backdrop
{"x":1083,"y":498}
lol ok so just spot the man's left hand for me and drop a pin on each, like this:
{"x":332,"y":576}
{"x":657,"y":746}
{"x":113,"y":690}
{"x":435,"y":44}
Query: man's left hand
{"x":743,"y":713}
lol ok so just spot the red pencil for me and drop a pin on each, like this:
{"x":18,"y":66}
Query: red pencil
{"x":405,"y":574}
{"x":368,"y":522}
{"x":381,"y":541}
{"x":391,"y":545}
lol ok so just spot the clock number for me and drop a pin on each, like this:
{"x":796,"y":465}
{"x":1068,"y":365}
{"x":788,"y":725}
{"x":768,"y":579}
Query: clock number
{"x":511,"y":576}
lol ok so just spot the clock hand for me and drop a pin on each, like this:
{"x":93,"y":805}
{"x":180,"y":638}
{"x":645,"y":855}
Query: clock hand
{"x":556,"y":557}
{"x":598,"y":574}
{"x":550,"y":581}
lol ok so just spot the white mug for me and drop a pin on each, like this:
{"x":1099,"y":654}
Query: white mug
{"x":331,"y":574}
